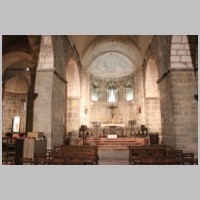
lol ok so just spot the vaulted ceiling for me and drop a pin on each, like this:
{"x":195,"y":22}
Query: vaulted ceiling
{"x":111,"y":56}
{"x":81,"y":42}
{"x":103,"y":56}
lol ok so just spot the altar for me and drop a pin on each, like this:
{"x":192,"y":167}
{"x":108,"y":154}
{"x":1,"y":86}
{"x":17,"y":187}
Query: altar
{"x":113,"y":129}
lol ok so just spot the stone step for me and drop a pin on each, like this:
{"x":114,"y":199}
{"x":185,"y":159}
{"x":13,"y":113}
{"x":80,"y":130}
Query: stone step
{"x":117,"y":147}
{"x":114,"y":162}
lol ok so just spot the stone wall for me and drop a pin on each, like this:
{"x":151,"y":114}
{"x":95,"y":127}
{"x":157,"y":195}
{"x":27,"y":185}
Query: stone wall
{"x":153,"y":116}
{"x":73,"y":96}
{"x":151,"y":77}
{"x":42,"y":117}
{"x":167,"y":111}
{"x":182,"y":52}
{"x":85,"y":99}
{"x":184,"y":87}
{"x":139,"y":101}
{"x":61,"y":54}
{"x":185,"y":110}
{"x":13,"y":104}
{"x":58,"y":111}
{"x":177,"y":89}
{"x":152,"y":98}
{"x":42,"y":112}
{"x":73,"y":114}
{"x":125,"y":110}
{"x":100,"y":112}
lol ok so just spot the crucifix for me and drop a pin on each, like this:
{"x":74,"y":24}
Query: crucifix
{"x":112,"y":112}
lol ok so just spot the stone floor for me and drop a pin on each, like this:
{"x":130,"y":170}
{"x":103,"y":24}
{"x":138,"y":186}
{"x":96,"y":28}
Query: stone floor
{"x":113,"y":156}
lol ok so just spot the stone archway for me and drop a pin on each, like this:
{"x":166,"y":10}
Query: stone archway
{"x":152,"y":98}
{"x":15,"y":102}
{"x":73,"y":96}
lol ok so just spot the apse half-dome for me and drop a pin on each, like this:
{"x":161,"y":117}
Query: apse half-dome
{"x":111,"y":64}
{"x":111,"y":59}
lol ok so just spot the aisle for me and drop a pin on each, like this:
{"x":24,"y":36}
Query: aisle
{"x":113,"y":156}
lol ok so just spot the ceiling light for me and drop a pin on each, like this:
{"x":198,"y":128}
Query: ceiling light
{"x":27,"y":69}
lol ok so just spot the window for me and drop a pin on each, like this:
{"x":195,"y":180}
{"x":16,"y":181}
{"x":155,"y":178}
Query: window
{"x":128,"y":91}
{"x":112,"y":93}
{"x":95,"y":93}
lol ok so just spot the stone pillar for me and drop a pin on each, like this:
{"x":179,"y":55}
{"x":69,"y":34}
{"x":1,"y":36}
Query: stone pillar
{"x":179,"y":107}
{"x":139,"y":98}
{"x":167,"y":114}
{"x":85,"y":99}
{"x":184,"y":90}
{"x":42,"y":112}
{"x":185,"y":110}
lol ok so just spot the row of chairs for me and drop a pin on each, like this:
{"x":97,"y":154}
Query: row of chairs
{"x":159,"y":155}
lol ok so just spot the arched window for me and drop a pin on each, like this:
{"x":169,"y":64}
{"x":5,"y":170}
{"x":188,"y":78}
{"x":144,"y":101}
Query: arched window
{"x":128,"y":91}
{"x":95,"y":92}
{"x":112,"y":93}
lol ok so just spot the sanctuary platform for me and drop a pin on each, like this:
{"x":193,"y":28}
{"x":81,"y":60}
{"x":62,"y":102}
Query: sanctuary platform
{"x":114,"y":143}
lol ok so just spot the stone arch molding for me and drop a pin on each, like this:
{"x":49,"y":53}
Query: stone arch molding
{"x":14,"y":57}
{"x":119,"y":57}
{"x":150,"y":78}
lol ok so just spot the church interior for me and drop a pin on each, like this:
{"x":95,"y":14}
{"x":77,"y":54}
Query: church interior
{"x":100,"y":100}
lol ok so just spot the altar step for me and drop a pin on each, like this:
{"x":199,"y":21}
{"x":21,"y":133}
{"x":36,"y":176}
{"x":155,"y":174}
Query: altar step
{"x":113,"y":157}
{"x":113,"y":147}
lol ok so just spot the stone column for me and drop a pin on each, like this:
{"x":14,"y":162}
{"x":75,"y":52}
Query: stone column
{"x":185,"y":110}
{"x":42,"y":112}
{"x":179,"y":107}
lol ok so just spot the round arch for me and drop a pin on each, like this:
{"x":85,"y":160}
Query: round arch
{"x":73,"y":94}
{"x":11,"y":58}
{"x":152,"y":98}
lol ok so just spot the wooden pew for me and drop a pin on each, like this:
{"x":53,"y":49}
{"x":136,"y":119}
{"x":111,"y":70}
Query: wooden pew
{"x":135,"y":151}
{"x":75,"y":155}
{"x":159,"y":155}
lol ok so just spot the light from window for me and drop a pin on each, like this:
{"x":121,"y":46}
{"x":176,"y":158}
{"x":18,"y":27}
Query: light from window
{"x":95,"y":94}
{"x":112,"y":95}
{"x":129,"y":94}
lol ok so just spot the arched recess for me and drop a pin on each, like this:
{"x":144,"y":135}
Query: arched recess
{"x":73,"y":96}
{"x":16,"y":68}
{"x":152,"y":98}
{"x":15,"y":102}
{"x":11,"y":58}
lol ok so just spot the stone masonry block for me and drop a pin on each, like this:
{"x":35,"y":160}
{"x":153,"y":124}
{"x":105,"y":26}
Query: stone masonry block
{"x":182,"y":52}
{"x":173,"y":52}
{"x":184,"y":39}
{"x":178,"y":65}
{"x":177,"y":46}
{"x":186,"y":59}
{"x":190,"y":65}
{"x":175,"y":58}
{"x":176,"y":39}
